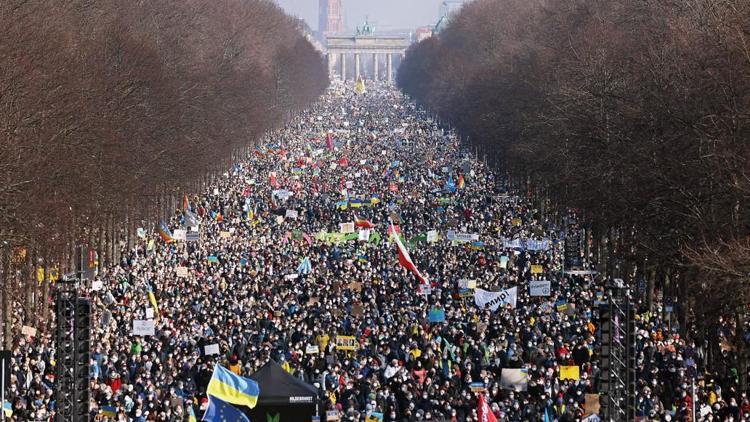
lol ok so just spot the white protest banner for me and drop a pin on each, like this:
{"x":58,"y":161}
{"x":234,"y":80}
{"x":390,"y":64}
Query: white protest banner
{"x":149,"y":312}
{"x":346,"y":227}
{"x":364,"y":235}
{"x":141,"y":232}
{"x":349,"y":184}
{"x":179,"y":234}
{"x":432,"y":236}
{"x":144,"y":327}
{"x":28,"y":331}
{"x":181,"y":271}
{"x":293,"y":214}
{"x":312,"y":350}
{"x":494,"y":299}
{"x":516,"y":379}
{"x":513,"y":244}
{"x":465,"y":237}
{"x":539,"y":288}
{"x":424,"y":289}
{"x":97,"y":285}
{"x":211,"y":349}
{"x":465,"y":283}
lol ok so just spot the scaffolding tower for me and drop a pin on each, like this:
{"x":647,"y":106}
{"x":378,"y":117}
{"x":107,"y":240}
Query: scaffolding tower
{"x":617,"y":322}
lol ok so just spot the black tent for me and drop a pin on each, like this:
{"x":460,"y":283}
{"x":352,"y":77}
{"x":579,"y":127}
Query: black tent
{"x":283,"y":395}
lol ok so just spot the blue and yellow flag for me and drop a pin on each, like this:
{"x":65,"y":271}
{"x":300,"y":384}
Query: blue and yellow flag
{"x":152,"y":299}
{"x":191,"y":413}
{"x":109,"y":411}
{"x":231,"y":388}
{"x":220,"y":411}
{"x":7,"y":409}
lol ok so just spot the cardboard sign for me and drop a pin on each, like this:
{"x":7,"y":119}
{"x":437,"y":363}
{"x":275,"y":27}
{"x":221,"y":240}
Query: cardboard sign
{"x":570,"y":372}
{"x":211,"y":349}
{"x":592,"y":404}
{"x":348,"y":343}
{"x":355,"y":286}
{"x":181,"y":271}
{"x":224,"y":235}
{"x":536,"y":269}
{"x":467,"y":284}
{"x":143,"y":327}
{"x":346,"y":227}
{"x":312,"y":350}
{"x":28,"y":331}
{"x":149,"y":312}
{"x":332,"y":415}
{"x":539,"y":288}
{"x":97,"y":285}
{"x":357,"y":310}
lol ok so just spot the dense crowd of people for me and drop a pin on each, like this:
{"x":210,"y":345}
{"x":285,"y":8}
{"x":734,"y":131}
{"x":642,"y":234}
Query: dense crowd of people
{"x":272,"y":276}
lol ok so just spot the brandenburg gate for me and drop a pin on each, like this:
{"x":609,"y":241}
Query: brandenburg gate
{"x":340,"y":46}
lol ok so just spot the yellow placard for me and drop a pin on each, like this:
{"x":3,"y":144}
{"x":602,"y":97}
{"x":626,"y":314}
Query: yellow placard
{"x":346,"y":343}
{"x":571,"y":372}
{"x":516,"y":221}
{"x":40,"y":274}
{"x":536,"y":269}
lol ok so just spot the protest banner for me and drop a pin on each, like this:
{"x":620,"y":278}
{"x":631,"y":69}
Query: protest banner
{"x":465,"y":283}
{"x":28,"y":331}
{"x":179,"y":234}
{"x":364,"y":235}
{"x":437,"y":315}
{"x":477,"y":387}
{"x":539,"y":288}
{"x":143,"y":327}
{"x":193,"y":236}
{"x":515,"y":379}
{"x":346,"y":227}
{"x":181,"y":271}
{"x":424,"y":289}
{"x":346,"y":343}
{"x":536,"y":269}
{"x":211,"y":349}
{"x":504,"y":262}
{"x":312,"y":349}
{"x":97,"y":285}
{"x":432,"y":236}
{"x":293,"y":214}
{"x":493,"y":300}
{"x":224,"y":235}
{"x":569,"y":372}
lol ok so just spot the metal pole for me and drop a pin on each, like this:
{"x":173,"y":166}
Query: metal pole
{"x":2,"y":389}
{"x":694,"y":398}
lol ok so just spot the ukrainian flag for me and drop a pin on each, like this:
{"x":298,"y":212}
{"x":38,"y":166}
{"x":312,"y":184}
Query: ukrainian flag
{"x":7,"y":409}
{"x":152,"y":299}
{"x":231,"y":388}
{"x":109,"y":411}
{"x":191,"y":413}
{"x":219,"y":411}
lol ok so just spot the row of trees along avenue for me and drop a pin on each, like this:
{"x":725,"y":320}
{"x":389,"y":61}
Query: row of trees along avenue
{"x":111,"y":111}
{"x":634,"y":113}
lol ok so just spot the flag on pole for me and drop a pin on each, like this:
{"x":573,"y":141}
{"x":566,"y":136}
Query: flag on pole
{"x":360,"y":88}
{"x":186,"y":204}
{"x":231,"y":388}
{"x":404,"y":259}
{"x":164,"y":232}
{"x":484,"y":413}
{"x":191,"y":414}
{"x":329,"y":141}
{"x":305,"y":267}
{"x":461,"y":182}
{"x":219,"y":411}
{"x":152,"y":299}
{"x":362,"y":223}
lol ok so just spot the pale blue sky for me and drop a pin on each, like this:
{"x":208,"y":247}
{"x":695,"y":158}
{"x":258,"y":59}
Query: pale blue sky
{"x":383,"y":14}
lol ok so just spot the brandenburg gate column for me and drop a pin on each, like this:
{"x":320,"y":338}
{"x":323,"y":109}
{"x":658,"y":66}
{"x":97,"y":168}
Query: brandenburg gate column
{"x":389,"y":67}
{"x":375,"y":66}
{"x":356,"y":65}
{"x":330,"y":57}
{"x":343,"y":66}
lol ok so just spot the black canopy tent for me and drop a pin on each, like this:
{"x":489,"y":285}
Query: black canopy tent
{"x":283,"y":395}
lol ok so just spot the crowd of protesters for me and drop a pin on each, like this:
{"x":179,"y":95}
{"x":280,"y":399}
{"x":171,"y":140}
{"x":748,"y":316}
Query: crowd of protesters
{"x":271,"y":278}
